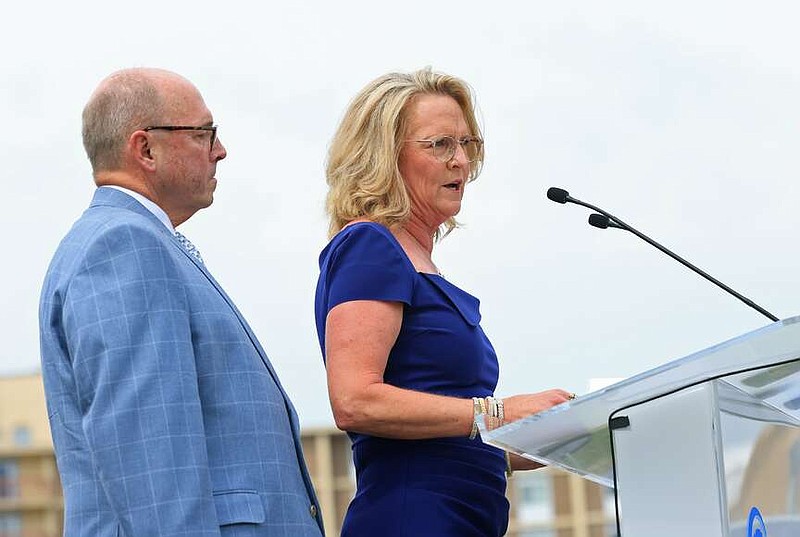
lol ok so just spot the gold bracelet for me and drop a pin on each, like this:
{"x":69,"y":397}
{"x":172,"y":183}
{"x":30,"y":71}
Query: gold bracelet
{"x":474,"y":432}
{"x":482,"y":404}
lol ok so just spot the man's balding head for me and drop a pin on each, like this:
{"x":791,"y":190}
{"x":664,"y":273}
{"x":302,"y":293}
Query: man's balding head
{"x":127,"y":100}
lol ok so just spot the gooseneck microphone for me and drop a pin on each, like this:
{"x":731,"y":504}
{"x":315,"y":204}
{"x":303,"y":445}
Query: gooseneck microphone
{"x":602,"y":221}
{"x":605,"y":220}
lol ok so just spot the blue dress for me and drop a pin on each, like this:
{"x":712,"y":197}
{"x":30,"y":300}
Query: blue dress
{"x":408,"y":488}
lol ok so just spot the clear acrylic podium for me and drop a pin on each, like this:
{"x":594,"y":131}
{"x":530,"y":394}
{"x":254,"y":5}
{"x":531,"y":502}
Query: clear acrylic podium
{"x":708,"y":445}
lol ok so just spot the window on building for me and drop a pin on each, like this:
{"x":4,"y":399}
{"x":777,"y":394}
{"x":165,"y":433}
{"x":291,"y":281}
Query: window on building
{"x":22,"y":436}
{"x":534,"y":493}
{"x":9,"y":479}
{"x":10,"y":525}
{"x":538,"y":533}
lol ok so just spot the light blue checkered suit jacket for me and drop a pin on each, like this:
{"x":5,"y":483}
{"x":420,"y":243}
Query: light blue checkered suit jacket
{"x":166,"y":415}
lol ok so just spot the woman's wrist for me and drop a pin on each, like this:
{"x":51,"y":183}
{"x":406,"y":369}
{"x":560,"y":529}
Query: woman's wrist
{"x":490,"y":407}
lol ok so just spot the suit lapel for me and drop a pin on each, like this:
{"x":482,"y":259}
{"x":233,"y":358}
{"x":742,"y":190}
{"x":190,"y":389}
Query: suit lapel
{"x":115,"y":198}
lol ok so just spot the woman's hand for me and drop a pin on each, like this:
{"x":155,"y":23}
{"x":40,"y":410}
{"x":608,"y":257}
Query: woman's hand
{"x":519,"y":406}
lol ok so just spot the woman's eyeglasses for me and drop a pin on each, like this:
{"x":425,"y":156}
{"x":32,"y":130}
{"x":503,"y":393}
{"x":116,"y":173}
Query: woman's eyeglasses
{"x":443,"y":148}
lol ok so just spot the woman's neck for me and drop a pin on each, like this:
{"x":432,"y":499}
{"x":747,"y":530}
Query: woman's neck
{"x":418,"y":245}
{"x":421,"y":234}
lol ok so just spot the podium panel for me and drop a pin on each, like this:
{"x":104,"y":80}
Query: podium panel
{"x":651,"y":493}
{"x":705,"y":445}
{"x":760,"y":445}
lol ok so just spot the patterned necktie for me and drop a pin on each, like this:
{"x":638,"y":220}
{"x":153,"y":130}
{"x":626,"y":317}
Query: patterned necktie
{"x":186,"y":243}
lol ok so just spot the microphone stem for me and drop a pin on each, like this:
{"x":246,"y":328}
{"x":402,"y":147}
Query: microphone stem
{"x":677,"y":258}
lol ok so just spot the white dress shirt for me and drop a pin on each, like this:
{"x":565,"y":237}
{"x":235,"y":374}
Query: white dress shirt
{"x":157,"y":211}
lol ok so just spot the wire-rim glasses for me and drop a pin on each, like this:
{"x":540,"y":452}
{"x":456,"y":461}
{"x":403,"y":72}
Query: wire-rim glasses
{"x":208,"y":128}
{"x":443,"y":148}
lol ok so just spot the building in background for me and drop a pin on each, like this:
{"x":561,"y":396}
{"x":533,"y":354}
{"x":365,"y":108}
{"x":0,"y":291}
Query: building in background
{"x":552,"y":503}
{"x":30,"y":491}
{"x":544,"y":503}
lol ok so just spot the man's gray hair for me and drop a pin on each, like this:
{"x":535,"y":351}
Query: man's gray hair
{"x":124,"y":102}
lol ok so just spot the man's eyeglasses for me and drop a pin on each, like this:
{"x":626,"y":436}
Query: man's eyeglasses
{"x":443,"y":148}
{"x":209,"y":128}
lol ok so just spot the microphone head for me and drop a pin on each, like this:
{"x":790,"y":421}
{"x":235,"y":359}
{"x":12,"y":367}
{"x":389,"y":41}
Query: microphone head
{"x":598,"y":220}
{"x":559,"y":195}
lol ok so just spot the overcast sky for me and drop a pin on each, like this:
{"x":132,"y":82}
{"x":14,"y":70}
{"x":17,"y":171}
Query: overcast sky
{"x":679,"y":117}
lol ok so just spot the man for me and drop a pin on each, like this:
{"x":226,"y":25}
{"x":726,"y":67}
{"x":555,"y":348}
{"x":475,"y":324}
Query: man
{"x":166,"y":414}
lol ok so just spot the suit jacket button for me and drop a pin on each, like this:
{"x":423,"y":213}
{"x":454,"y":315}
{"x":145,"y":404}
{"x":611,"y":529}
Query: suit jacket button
{"x":313,"y":511}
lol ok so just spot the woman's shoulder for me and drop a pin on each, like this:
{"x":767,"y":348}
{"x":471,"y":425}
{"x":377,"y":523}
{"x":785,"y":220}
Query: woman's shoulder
{"x":365,"y":241}
{"x":366,"y":228}
{"x":365,"y":234}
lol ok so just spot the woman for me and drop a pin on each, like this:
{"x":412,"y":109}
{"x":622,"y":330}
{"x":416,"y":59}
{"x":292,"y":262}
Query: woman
{"x":408,"y":364}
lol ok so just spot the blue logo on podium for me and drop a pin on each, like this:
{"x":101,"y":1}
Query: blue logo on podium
{"x":755,"y":524}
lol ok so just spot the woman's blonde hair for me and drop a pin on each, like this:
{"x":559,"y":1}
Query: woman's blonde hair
{"x":363,"y":176}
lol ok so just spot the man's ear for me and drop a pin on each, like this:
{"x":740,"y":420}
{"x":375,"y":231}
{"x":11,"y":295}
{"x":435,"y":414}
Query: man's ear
{"x":141,"y":150}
